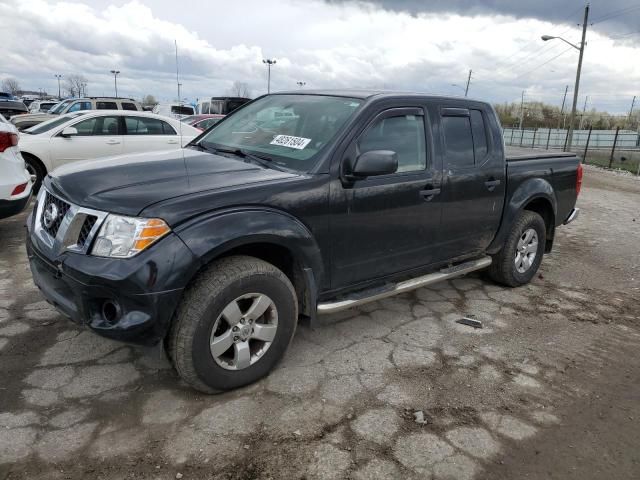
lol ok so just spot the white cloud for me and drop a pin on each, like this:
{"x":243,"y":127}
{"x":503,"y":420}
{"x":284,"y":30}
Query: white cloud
{"x":327,"y":45}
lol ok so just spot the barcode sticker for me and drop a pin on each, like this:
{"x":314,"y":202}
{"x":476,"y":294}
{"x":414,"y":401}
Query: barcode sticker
{"x":292,"y":142}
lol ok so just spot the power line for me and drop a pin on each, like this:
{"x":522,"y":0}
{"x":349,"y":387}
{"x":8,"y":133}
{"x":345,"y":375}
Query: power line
{"x":535,"y":41}
{"x":544,"y":63}
{"x":615,"y":14}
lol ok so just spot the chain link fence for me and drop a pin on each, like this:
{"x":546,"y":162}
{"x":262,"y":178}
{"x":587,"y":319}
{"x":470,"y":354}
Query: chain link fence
{"x":617,"y":149}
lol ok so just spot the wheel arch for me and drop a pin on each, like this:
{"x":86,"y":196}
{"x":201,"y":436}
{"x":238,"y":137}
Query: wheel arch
{"x":267,"y":234}
{"x":535,"y":194}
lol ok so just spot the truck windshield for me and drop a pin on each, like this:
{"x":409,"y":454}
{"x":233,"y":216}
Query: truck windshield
{"x":286,"y":129}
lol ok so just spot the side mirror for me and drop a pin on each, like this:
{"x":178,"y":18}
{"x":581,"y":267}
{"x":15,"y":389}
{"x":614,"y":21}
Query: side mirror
{"x":375,"y":162}
{"x":69,"y":132}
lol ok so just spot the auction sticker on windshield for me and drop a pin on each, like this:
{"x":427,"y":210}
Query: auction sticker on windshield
{"x":292,"y":142}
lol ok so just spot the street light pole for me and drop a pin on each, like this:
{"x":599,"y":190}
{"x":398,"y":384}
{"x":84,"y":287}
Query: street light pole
{"x":577,"y":85}
{"x":268,"y":62}
{"x":115,"y":80}
{"x":58,"y":76}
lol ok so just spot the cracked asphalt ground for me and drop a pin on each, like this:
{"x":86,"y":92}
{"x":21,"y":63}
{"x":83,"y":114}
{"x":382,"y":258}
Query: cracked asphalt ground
{"x":549,"y":388}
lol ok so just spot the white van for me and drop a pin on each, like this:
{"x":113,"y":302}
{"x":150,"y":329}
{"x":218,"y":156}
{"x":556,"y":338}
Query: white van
{"x":220,"y":105}
{"x":175,"y":110}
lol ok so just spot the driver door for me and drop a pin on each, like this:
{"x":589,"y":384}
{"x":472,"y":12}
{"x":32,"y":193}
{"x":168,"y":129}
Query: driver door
{"x":388,"y":224}
{"x":97,"y":137}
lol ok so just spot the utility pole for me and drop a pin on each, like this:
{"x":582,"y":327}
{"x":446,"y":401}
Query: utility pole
{"x":564,"y":99}
{"x":60,"y":76}
{"x":115,"y":80}
{"x":577,"y":85}
{"x":268,"y":62}
{"x":466,"y":90}
{"x":633,"y":103}
{"x":521,"y":111}
{"x":584,"y":111}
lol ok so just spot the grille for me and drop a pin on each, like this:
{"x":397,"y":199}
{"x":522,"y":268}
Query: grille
{"x":61,"y":207}
{"x":88,"y":224}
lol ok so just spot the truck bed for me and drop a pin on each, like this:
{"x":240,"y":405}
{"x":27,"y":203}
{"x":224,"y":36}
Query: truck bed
{"x":514,"y":154}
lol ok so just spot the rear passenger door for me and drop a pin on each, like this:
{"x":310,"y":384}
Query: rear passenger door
{"x":145,"y":134}
{"x":473,"y":179}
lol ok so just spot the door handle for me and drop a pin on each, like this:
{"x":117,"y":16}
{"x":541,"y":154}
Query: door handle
{"x":491,"y":184}
{"x":172,"y":141}
{"x":429,"y":193}
{"x":113,"y":142}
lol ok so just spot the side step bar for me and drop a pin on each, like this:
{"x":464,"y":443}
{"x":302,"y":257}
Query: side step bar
{"x":406,"y":286}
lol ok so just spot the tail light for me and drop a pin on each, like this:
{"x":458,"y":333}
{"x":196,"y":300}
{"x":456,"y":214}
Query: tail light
{"x":8,"y":140}
{"x":579,"y":179}
{"x":19,"y":189}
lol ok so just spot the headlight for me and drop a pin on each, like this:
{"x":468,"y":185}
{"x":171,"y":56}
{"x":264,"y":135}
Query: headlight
{"x":124,"y":237}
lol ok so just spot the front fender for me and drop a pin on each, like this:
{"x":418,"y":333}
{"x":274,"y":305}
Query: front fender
{"x":211,"y":236}
{"x":525,"y":193}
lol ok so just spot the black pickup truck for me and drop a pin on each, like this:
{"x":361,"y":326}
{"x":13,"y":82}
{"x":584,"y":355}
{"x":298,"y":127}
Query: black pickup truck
{"x":295,"y":205}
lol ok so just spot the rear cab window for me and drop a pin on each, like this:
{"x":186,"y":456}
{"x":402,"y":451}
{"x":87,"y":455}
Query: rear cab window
{"x":181,"y":110}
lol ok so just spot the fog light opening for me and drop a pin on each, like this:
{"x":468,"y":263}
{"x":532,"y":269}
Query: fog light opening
{"x":110,"y":311}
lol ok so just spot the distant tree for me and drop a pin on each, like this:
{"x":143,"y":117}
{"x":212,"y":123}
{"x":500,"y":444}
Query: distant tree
{"x":240,"y":89}
{"x":76,"y":85}
{"x":149,"y":100}
{"x":10,"y":85}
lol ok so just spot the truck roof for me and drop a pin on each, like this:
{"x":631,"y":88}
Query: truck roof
{"x":368,"y":93}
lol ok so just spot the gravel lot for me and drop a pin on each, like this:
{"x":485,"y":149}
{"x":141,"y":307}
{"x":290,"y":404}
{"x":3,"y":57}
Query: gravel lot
{"x":549,"y":388}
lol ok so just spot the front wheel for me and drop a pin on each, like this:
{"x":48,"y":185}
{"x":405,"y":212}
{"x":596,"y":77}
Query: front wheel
{"x":233,"y":325}
{"x":520,"y":257}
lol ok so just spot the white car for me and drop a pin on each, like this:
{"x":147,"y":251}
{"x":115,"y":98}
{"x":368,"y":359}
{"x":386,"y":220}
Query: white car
{"x":15,"y":181}
{"x":42,"y":106}
{"x":91,"y":134}
{"x":175,"y":110}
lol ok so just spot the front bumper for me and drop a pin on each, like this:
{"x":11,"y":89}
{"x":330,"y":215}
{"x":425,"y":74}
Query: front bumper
{"x":8,"y":208}
{"x":145,"y":289}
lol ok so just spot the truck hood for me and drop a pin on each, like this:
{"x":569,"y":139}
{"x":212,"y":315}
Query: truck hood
{"x":127,"y":184}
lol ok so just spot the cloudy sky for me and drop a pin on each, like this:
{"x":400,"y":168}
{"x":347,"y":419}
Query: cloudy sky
{"x":413,"y":45}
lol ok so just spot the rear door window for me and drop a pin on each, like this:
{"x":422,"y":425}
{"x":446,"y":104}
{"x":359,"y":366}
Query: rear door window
{"x":458,"y":141}
{"x":129,"y":106}
{"x":479,"y":132}
{"x":106,"y":106}
{"x":147,"y":126}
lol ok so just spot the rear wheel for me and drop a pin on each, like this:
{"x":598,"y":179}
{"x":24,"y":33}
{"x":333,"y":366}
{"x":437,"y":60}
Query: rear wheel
{"x":233,"y":325}
{"x":36,"y":169}
{"x":519,"y":260}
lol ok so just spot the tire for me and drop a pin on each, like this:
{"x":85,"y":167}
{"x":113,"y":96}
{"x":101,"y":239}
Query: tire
{"x":507,"y":267}
{"x":35,"y":167}
{"x":239,"y":281}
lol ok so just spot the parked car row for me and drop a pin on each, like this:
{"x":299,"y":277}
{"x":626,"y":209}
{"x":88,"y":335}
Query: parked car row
{"x":22,"y":122}
{"x":87,"y":134}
